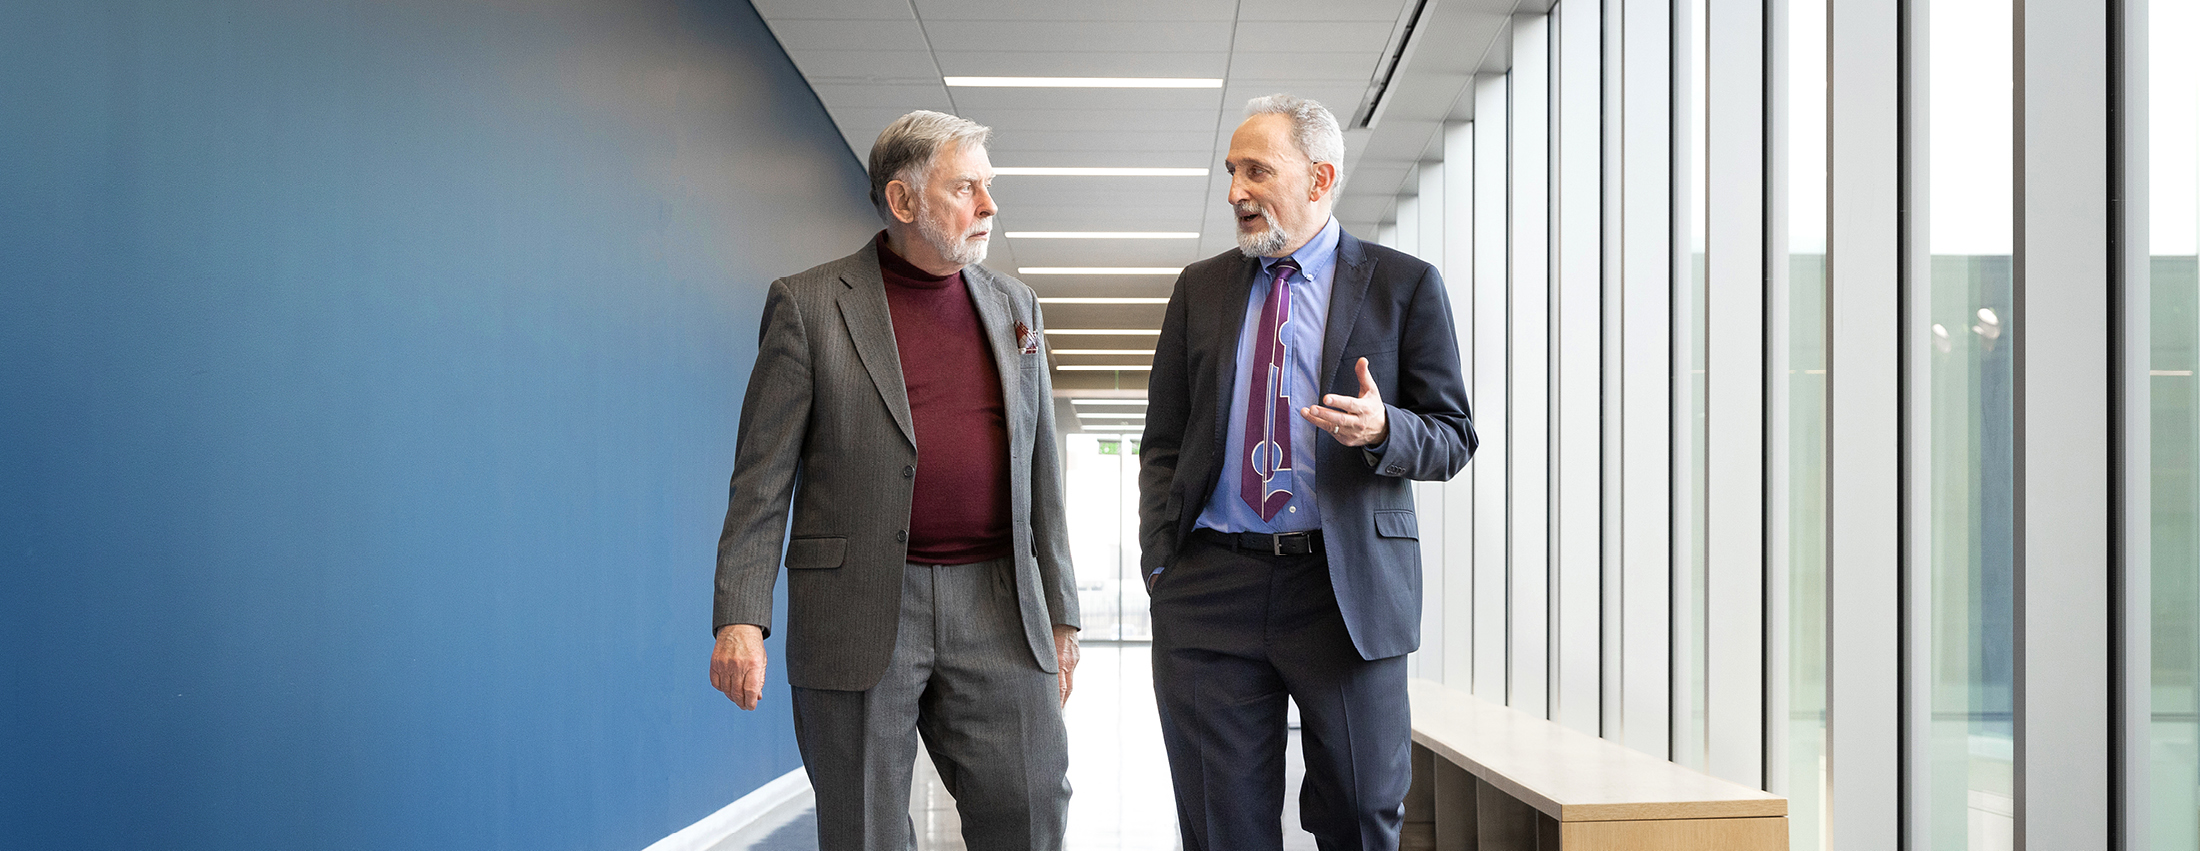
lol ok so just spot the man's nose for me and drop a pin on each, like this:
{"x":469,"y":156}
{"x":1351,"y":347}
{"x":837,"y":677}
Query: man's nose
{"x":985,"y":203}
{"x":1238,"y":195}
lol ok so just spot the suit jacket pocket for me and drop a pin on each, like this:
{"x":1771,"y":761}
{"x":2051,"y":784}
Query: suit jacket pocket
{"x":812,"y":553}
{"x":1396,"y":523}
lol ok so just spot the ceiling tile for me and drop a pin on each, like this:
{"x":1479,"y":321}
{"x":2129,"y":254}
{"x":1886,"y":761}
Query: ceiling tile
{"x":869,"y":96}
{"x":796,"y":34}
{"x":1298,"y":65}
{"x":1366,"y":37}
{"x":1099,"y":36}
{"x":1078,"y":10}
{"x":1016,"y":60}
{"x":1325,"y":10}
{"x":820,"y":66}
{"x":978,"y":99}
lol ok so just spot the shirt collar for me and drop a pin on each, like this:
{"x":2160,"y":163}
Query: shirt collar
{"x":1316,"y":257}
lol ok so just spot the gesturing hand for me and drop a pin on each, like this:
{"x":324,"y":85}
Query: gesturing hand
{"x":1354,"y":420}
{"x":737,"y":664}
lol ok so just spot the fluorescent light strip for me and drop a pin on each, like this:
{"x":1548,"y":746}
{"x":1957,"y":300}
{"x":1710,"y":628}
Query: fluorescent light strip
{"x":1108,"y":368}
{"x":1099,"y":270}
{"x":1138,"y":402}
{"x":1111,"y":300}
{"x":1086,"y":82}
{"x":1102,"y":234}
{"x":1111,"y":415}
{"x":1130,"y":352}
{"x":1105,"y":332}
{"x":1079,"y":171}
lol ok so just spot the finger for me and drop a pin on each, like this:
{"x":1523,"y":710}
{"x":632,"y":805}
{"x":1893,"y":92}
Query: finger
{"x":1367,"y":383}
{"x":1354,"y":405}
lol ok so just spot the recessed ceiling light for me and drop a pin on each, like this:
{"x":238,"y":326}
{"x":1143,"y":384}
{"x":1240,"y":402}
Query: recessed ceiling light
{"x":1087,"y":82}
{"x":1133,"y":352}
{"x":1083,"y":171}
{"x":1105,"y":300}
{"x":1102,"y":234}
{"x":1109,"y":415}
{"x":1127,"y":367}
{"x":1105,"y":332}
{"x":1099,"y":270}
{"x":1140,"y":402}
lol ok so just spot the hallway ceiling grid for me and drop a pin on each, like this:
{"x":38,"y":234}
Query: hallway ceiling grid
{"x":870,"y":61}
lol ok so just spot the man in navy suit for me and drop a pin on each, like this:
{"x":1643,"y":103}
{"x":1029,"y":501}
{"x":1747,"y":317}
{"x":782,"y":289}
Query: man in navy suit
{"x":1299,"y":385}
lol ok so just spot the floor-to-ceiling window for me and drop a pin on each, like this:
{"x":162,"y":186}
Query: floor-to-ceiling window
{"x":1967,"y":462}
{"x":2173,"y":171}
{"x":1805,"y":140}
{"x":1100,"y":497}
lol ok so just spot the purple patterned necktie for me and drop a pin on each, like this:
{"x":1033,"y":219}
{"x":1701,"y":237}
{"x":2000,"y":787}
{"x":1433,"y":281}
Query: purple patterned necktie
{"x":1264,"y":482}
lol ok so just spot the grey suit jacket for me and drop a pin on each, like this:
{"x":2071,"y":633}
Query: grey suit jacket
{"x":826,"y":432}
{"x":1384,"y":305}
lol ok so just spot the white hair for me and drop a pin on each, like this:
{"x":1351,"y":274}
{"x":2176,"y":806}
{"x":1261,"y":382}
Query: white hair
{"x":1313,"y":129}
{"x":906,"y":148}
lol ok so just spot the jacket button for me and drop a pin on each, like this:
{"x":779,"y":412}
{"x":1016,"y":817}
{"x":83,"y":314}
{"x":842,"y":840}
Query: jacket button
{"x":908,"y":472}
{"x":901,"y":536}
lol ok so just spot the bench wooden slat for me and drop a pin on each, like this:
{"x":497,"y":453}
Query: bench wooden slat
{"x":1569,"y":775}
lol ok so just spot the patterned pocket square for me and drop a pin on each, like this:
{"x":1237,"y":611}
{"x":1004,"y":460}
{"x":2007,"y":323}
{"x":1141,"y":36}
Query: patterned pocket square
{"x":1026,"y":340}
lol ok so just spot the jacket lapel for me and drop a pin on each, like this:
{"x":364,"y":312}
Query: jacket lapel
{"x":1229,"y":328}
{"x":871,"y":327}
{"x":1347,"y":292}
{"x":998,"y":319}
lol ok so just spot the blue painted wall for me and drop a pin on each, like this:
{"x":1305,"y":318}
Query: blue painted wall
{"x":368,"y":381}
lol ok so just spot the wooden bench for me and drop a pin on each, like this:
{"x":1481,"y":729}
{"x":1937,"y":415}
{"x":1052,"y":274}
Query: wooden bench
{"x":1489,"y":778}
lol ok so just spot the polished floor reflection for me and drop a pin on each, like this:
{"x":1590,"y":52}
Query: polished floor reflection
{"x":1118,"y":774}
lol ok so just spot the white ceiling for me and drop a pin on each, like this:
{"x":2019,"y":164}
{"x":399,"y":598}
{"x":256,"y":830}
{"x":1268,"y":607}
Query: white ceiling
{"x":870,"y":61}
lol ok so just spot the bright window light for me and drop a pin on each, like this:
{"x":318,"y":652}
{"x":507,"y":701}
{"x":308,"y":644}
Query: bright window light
{"x":1099,"y":270}
{"x":1084,"y":171}
{"x":1103,"y":234}
{"x":1105,"y":332}
{"x":1101,"y":300}
{"x":1127,"y":367}
{"x":1131,"y":352}
{"x":1086,"y":82}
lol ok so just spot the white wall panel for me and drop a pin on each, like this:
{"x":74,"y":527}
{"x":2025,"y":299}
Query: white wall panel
{"x":1458,"y":146}
{"x":1646,"y":365}
{"x":1429,"y":496}
{"x":1491,"y":357}
{"x":1529,"y":451}
{"x":1735,"y":504}
{"x":1577,"y":344}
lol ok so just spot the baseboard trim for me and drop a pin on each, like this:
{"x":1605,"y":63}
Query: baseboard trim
{"x":714,"y":828}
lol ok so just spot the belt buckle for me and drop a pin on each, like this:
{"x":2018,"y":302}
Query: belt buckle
{"x":1304,"y":540}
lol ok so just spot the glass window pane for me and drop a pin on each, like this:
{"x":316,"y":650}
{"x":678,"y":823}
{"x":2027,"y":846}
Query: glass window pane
{"x":1807,"y":388}
{"x":2173,"y":170}
{"x":1969,"y":651}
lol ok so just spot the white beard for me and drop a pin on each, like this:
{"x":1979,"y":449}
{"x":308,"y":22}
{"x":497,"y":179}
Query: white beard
{"x":1264,"y":243}
{"x":956,"y":248}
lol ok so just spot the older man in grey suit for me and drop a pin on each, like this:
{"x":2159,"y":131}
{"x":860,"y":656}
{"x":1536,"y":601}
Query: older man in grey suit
{"x":900,"y":406}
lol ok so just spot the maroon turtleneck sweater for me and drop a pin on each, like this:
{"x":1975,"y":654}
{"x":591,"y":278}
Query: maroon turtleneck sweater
{"x":960,"y":513}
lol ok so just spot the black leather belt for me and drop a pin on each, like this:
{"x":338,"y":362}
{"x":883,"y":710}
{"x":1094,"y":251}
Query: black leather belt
{"x":1284,"y":544}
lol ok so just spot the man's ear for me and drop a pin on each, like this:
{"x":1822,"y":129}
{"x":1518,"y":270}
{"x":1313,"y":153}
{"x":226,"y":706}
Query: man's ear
{"x":901,"y":200}
{"x":1325,"y":179}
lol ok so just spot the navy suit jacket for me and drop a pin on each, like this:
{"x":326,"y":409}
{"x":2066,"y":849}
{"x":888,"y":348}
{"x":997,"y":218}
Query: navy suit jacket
{"x":1386,"y":306}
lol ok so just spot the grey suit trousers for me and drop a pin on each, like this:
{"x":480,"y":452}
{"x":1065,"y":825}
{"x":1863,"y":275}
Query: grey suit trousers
{"x":961,"y":676}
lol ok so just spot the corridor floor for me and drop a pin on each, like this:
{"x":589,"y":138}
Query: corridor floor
{"x":1119,"y":778}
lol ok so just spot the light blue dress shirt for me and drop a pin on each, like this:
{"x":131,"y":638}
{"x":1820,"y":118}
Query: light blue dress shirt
{"x":1226,"y":510}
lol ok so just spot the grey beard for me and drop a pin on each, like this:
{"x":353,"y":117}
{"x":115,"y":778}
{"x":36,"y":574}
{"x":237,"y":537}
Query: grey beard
{"x":958,"y":251}
{"x":1265,"y":243}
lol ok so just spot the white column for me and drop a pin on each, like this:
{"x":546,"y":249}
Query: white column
{"x":1863,"y":619}
{"x":1458,"y":517}
{"x":1529,"y":462}
{"x":1577,"y":340}
{"x":1646,"y":392}
{"x":1735,"y":286}
{"x":1490,"y":358}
